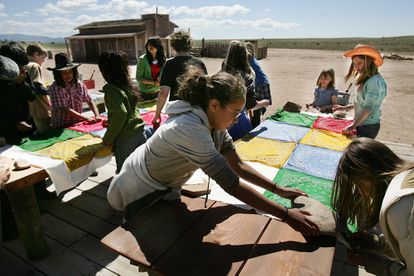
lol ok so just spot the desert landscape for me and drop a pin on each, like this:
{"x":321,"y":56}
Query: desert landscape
{"x":293,"y":73}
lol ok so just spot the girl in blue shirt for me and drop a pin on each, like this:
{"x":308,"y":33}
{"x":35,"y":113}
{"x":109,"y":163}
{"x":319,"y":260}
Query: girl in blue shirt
{"x":325,"y":95}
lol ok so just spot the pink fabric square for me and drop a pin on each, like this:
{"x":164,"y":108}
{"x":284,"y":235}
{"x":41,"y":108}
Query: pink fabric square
{"x":149,"y":116}
{"x":331,"y":124}
{"x":86,"y":127}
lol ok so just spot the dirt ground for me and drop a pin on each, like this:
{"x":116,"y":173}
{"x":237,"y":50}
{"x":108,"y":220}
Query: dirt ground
{"x":293,"y":74}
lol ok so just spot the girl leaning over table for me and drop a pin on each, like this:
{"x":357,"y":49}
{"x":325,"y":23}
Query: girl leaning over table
{"x":195,"y":136}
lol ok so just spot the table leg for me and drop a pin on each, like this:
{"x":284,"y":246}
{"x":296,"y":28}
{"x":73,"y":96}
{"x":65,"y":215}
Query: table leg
{"x":27,"y":215}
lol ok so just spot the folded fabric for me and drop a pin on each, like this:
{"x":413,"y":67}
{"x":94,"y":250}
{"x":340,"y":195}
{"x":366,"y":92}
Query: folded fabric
{"x":147,"y":106}
{"x":335,"y":125}
{"x":149,"y":116}
{"x":279,"y":131}
{"x":326,"y":139}
{"x":98,"y":133}
{"x":317,"y":188}
{"x":87,"y":127}
{"x":315,"y":161}
{"x":44,"y":140}
{"x":293,"y":118}
{"x":270,"y":152}
{"x":78,"y":151}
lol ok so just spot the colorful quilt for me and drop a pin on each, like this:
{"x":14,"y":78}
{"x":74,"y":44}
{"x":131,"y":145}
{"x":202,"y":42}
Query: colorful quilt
{"x":77,"y":151}
{"x":293,"y":118}
{"x":270,"y":152}
{"x":326,"y":139}
{"x":44,"y":140}
{"x":279,"y":131}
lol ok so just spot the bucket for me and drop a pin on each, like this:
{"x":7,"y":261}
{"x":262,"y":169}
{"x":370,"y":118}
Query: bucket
{"x":90,"y":84}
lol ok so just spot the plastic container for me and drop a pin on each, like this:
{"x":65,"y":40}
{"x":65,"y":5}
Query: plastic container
{"x":90,"y":84}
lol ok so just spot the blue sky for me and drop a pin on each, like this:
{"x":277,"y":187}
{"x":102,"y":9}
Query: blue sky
{"x":220,"y":19}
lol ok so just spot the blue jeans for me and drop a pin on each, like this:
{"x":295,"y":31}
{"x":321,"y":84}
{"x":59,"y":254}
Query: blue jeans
{"x":123,"y":147}
{"x":369,"y":131}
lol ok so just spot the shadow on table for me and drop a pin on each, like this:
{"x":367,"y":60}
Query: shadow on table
{"x":175,"y":238}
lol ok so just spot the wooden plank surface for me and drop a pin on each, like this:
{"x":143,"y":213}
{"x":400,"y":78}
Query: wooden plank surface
{"x":149,"y":234}
{"x":218,"y":244}
{"x":283,"y":251}
{"x":24,"y":178}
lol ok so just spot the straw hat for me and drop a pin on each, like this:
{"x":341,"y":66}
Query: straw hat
{"x":366,"y":50}
{"x":9,"y":70}
{"x":63,"y":63}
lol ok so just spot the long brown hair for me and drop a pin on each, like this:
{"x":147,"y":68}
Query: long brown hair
{"x":364,"y":160}
{"x":370,"y":69}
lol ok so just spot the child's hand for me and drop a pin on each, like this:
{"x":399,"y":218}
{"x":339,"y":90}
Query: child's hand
{"x":90,"y":120}
{"x":290,"y":193}
{"x":98,"y":118}
{"x":105,"y":123}
{"x":337,"y":107}
{"x":23,"y":126}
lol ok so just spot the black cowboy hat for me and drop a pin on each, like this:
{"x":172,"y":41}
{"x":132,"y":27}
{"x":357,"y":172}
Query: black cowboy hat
{"x":63,"y":63}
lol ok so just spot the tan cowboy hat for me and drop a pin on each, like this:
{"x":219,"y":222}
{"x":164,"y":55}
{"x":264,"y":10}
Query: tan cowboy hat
{"x":63,"y":63}
{"x":366,"y":50}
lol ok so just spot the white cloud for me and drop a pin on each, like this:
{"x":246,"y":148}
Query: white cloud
{"x":2,"y":14}
{"x":265,"y":23}
{"x":22,"y":14}
{"x":207,"y":11}
{"x":67,"y":6}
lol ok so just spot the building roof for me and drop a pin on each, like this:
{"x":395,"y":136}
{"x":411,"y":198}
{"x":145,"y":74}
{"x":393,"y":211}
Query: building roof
{"x":117,"y":23}
{"x":113,"y":23}
{"x":101,"y":36}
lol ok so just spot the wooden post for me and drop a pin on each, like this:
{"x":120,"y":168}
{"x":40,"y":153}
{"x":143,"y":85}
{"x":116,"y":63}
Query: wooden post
{"x":27,"y":215}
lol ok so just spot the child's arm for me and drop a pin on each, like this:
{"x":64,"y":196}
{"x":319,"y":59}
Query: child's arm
{"x":94,"y":109}
{"x":76,"y":114}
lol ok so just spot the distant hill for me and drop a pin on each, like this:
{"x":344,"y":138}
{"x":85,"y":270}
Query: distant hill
{"x":384,"y":44}
{"x":31,"y":38}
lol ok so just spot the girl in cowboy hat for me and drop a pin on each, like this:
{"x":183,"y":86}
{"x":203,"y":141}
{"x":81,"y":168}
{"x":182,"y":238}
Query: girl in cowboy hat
{"x":67,"y":94}
{"x":371,"y":91}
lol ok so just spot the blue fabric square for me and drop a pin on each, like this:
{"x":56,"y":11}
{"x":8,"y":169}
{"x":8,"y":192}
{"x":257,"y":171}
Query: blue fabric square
{"x":315,"y":161}
{"x":279,"y":131}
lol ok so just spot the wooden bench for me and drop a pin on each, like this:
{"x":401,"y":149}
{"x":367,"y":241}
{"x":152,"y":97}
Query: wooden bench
{"x":23,"y":201}
{"x":184,"y":238}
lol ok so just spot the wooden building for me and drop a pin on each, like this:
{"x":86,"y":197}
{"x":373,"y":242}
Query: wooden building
{"x":129,"y":35}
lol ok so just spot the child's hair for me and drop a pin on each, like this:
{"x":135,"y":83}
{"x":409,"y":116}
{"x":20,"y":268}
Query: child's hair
{"x":364,"y":160}
{"x":197,"y":88}
{"x":250,"y":50}
{"x":156,"y":42}
{"x":31,"y":49}
{"x":114,"y":68}
{"x":327,"y":73}
{"x":369,"y":70}
{"x":57,"y":76}
{"x":237,"y":59}
{"x":14,"y":52}
{"x":181,"y":41}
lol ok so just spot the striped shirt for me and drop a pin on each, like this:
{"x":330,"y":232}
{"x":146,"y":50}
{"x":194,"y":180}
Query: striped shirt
{"x":72,"y":97}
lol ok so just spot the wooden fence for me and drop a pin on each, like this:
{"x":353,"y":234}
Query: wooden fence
{"x":219,"y":50}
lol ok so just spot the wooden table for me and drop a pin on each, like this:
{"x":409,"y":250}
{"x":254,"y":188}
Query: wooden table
{"x":23,"y":200}
{"x":184,"y":238}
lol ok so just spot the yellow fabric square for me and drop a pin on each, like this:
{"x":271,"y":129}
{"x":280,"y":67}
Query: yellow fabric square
{"x":269,"y":152}
{"x":77,"y":151}
{"x":326,"y":139}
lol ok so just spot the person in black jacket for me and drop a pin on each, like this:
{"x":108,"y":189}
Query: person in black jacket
{"x":15,"y":118}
